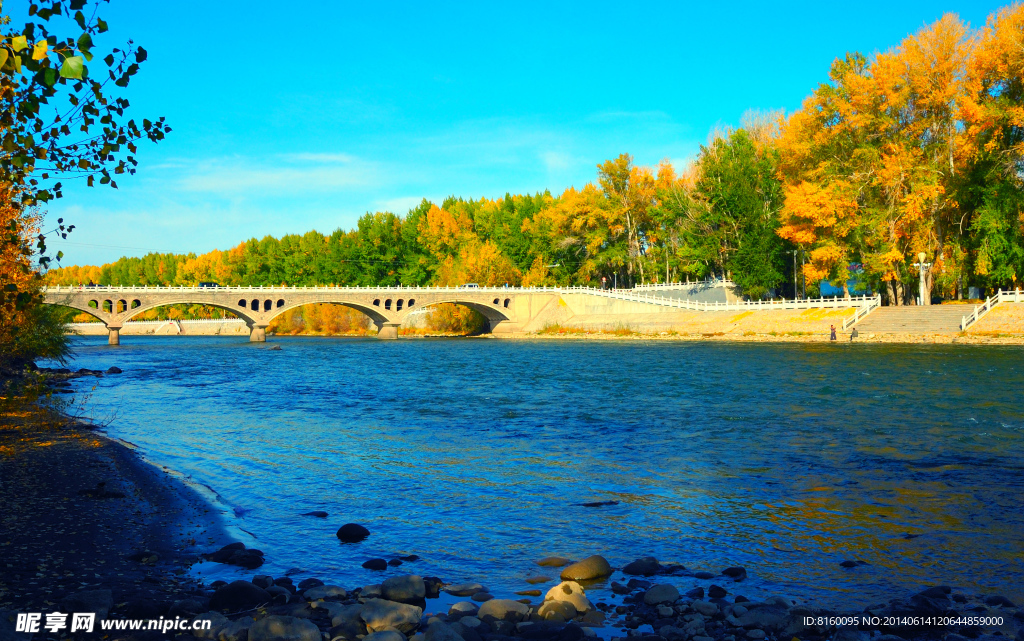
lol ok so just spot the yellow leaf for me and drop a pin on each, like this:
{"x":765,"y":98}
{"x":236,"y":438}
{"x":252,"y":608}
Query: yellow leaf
{"x":3,"y":56}
{"x":18,"y":43}
{"x":39,"y":51}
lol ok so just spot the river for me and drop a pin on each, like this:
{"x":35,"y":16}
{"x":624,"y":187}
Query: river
{"x":477,"y":455}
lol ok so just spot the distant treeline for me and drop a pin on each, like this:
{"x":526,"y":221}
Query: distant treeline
{"x":916,"y":150}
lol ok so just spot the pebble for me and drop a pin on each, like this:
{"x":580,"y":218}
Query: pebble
{"x":376,"y":564}
{"x":482,"y":597}
{"x":716,"y":592}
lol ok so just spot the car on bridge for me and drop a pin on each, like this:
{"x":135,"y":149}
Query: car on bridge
{"x":470,"y":286}
{"x":209,"y":284}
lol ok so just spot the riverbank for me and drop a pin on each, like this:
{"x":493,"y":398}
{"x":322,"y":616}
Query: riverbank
{"x":87,"y":523}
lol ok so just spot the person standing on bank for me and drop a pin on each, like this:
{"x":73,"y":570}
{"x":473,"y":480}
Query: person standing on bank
{"x":833,"y":330}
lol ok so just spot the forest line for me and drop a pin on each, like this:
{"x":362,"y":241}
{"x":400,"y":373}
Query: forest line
{"x":915,"y":150}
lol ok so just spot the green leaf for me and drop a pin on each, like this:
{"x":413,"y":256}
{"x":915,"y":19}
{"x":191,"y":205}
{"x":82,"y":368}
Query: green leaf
{"x":50,"y":76}
{"x":101,"y":25}
{"x":72,"y":68}
{"x":18,"y":43}
{"x":84,"y":42}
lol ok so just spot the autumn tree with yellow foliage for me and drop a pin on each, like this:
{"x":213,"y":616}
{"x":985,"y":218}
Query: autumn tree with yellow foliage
{"x":61,"y":120}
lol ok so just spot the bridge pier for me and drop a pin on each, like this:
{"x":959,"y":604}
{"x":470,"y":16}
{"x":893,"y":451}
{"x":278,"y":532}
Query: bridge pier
{"x":113,"y":335}
{"x":258,"y":334}
{"x":388,"y":331}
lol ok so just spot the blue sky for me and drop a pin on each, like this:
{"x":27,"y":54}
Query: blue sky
{"x":288,"y":117}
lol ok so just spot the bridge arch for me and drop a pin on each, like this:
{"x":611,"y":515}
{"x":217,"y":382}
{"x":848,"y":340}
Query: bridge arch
{"x":494,"y":314}
{"x":378,"y":318}
{"x":135,"y":311}
{"x":91,"y":311}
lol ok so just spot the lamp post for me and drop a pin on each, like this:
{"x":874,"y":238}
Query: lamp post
{"x":922,"y":287}
{"x":796,"y":282}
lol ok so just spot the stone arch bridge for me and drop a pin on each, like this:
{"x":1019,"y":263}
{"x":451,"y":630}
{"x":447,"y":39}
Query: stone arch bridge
{"x":507,"y":309}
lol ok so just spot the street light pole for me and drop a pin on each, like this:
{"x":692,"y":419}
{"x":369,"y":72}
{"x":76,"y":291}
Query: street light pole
{"x":796,"y":290}
{"x":922,"y":287}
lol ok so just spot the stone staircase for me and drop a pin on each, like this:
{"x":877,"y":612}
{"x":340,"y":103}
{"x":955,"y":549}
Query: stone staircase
{"x":916,"y":319}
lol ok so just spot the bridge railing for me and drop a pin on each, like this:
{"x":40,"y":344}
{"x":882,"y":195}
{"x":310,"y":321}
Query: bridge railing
{"x":690,"y":284}
{"x":1001,"y":296}
{"x":651,"y":298}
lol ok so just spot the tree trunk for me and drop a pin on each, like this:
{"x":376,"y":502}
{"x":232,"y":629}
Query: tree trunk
{"x":846,"y":291}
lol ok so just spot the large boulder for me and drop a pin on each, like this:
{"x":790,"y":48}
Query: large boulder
{"x":464,"y":589}
{"x":404,"y":589}
{"x":239,"y":595}
{"x":347,"y":622}
{"x":352,"y":533}
{"x":569,"y":592}
{"x":237,"y":554}
{"x":279,"y":628}
{"x":441,"y":631}
{"x":217,"y":621}
{"x":645,"y":566}
{"x":98,"y":601}
{"x":325,"y":592}
{"x":558,"y":611}
{"x":237,"y":630}
{"x":763,"y":616}
{"x":379,"y":614}
{"x":553,"y":561}
{"x":661,"y":593}
{"x":590,"y":568}
{"x":385,"y":635}
{"x":503,"y":610}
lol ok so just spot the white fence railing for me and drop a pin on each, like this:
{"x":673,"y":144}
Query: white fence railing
{"x":701,"y":306}
{"x":712,"y":282}
{"x":862,"y":312}
{"x":651,"y":298}
{"x":1002,"y":296}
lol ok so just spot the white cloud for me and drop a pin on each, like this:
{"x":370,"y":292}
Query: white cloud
{"x":280,"y":175}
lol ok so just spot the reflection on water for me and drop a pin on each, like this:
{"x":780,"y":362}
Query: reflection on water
{"x":476,"y":455}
